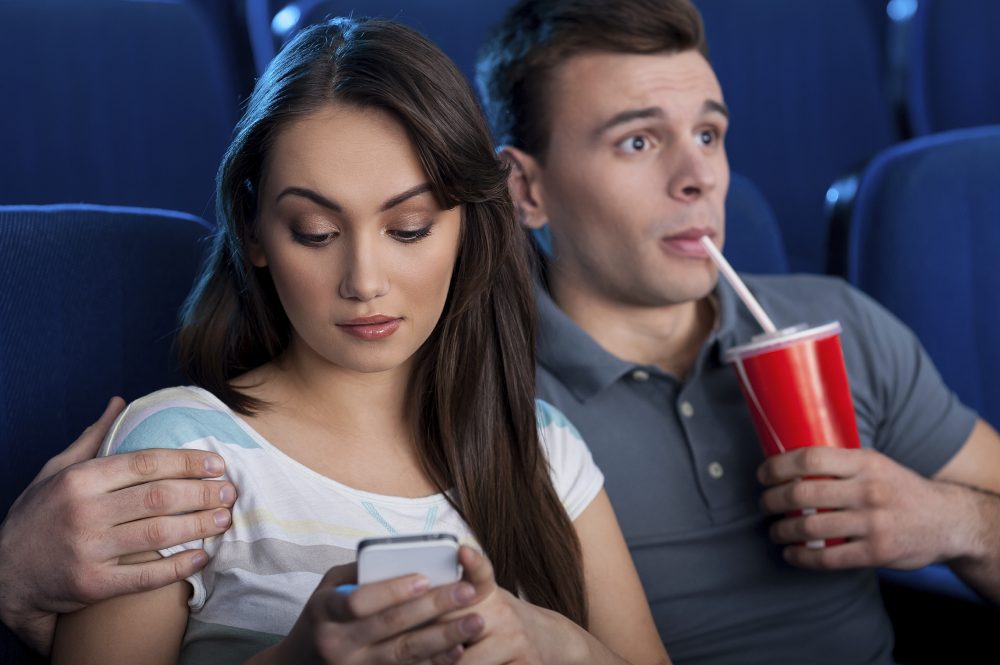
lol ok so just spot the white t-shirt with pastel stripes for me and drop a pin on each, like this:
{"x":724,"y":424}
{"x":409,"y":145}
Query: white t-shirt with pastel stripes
{"x":290,"y":523}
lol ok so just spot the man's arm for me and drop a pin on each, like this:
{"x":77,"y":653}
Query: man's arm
{"x":892,"y":516}
{"x":61,"y":540}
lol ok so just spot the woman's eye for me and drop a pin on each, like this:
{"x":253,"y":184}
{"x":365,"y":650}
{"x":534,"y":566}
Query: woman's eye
{"x":313,"y":239}
{"x":635,"y":144}
{"x":411,"y":235}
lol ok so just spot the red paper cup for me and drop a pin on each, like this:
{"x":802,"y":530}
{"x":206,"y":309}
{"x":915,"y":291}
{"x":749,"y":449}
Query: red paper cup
{"x":795,"y":383}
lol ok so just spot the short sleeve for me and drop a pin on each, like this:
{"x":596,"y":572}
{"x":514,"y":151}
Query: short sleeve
{"x":173,"y":418}
{"x":575,"y":476}
{"x":916,"y":419}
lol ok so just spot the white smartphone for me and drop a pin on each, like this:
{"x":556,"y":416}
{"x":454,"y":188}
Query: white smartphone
{"x":433,"y":555}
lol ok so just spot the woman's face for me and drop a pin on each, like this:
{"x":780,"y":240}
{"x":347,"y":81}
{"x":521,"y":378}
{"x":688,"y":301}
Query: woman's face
{"x":360,"y":252}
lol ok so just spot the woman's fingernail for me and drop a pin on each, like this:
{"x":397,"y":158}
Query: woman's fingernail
{"x":463,"y":593}
{"x":471,"y":625}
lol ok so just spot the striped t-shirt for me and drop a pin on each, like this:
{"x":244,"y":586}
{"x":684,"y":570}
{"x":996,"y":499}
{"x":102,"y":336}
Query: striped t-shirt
{"x":290,"y":523}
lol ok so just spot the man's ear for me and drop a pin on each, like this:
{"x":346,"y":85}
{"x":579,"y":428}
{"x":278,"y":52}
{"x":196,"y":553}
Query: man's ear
{"x":525,"y":187}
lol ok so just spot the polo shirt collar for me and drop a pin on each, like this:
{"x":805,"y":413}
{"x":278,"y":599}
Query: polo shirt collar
{"x":586,"y":368}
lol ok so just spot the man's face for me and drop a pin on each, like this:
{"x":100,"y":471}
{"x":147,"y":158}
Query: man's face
{"x":635,"y":173}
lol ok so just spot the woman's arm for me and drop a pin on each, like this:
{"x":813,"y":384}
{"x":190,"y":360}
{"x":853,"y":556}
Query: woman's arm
{"x":619,"y":615}
{"x":144,"y":627}
{"x":622,"y":629}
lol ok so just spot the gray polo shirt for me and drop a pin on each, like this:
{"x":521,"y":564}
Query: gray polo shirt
{"x":680,"y":458}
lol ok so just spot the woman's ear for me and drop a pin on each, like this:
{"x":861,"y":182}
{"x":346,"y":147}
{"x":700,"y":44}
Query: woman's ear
{"x":525,"y":187}
{"x":254,"y":250}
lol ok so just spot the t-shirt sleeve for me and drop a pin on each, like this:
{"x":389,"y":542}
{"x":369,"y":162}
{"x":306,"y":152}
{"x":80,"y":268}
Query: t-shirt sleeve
{"x":575,"y":476}
{"x":915,"y":418}
{"x":173,"y":418}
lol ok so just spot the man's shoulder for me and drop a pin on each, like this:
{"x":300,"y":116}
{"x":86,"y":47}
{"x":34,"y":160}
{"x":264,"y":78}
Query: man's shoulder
{"x":805,"y":298}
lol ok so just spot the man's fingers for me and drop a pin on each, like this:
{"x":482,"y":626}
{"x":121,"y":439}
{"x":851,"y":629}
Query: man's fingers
{"x":156,"y":533}
{"x":109,"y":474}
{"x":168,"y":497}
{"x":136,"y":577}
{"x":86,"y":445}
{"x":817,"y":493}
{"x":440,"y":643}
{"x":853,"y":554}
{"x":821,"y":526}
{"x":815,"y":461}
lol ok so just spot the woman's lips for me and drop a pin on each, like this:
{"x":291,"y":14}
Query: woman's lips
{"x":371,"y":327}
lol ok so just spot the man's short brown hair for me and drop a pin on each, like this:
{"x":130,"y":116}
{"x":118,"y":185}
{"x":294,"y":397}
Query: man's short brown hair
{"x":536,"y":36}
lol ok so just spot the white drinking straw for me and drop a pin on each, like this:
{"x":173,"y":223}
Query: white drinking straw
{"x":741,"y":289}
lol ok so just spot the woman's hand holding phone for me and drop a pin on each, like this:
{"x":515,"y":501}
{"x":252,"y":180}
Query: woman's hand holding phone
{"x":514,"y":631}
{"x":396,"y":621}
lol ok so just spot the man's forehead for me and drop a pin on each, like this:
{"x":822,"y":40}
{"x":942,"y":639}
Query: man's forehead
{"x":659,"y":79}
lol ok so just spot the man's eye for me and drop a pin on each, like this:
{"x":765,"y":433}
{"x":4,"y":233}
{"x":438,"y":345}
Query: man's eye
{"x":708,"y":136}
{"x":635,"y":144}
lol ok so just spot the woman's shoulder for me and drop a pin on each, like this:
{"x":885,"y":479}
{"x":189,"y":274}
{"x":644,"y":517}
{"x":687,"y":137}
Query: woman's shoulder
{"x":574,"y":475}
{"x":173,"y":418}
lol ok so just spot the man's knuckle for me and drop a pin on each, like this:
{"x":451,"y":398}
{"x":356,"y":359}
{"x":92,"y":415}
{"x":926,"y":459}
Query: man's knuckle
{"x":209,"y":495}
{"x":143,"y":463}
{"x":874,"y":493}
{"x":154,"y":532}
{"x":155,"y":498}
{"x":405,"y":650}
{"x":811,"y":458}
{"x":394,"y":620}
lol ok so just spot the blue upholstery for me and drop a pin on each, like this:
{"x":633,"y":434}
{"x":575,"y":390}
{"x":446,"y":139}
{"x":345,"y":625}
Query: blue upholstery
{"x":924,"y":240}
{"x":753,"y":239}
{"x":459,"y":28}
{"x":953,"y":78}
{"x":113,"y":101}
{"x":804,"y":83}
{"x":89,"y":303}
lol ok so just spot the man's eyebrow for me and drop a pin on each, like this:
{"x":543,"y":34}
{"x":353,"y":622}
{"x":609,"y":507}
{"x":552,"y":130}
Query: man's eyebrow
{"x":628,"y":116}
{"x":321,"y":200}
{"x":714,"y":106}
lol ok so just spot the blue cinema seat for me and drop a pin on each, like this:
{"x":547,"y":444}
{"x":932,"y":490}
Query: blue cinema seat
{"x":90,"y":301}
{"x":953,"y":77}
{"x":804,"y":82}
{"x":458,"y":27}
{"x":924,"y":239}
{"x":118,"y":102}
{"x":753,"y":237}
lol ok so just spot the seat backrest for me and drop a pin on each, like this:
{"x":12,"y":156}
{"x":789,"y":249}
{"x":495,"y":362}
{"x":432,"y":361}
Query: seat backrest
{"x":753,"y":238}
{"x":113,"y":101}
{"x":459,"y":28}
{"x":89,"y":305}
{"x":804,"y":83}
{"x":952,"y":78}
{"x":924,"y":240}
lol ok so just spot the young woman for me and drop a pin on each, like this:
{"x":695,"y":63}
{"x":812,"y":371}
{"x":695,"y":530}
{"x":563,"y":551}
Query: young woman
{"x":361,"y":341}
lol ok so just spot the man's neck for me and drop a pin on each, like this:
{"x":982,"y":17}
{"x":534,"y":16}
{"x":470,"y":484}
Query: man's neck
{"x":668,"y":337}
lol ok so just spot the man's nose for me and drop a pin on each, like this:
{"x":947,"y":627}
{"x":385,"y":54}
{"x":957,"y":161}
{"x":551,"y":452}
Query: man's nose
{"x":692,"y":173}
{"x":365,"y":277}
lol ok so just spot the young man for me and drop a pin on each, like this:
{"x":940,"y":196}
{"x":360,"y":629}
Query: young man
{"x":613,"y":122}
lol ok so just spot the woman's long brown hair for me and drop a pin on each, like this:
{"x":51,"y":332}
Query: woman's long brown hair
{"x":471,"y":394}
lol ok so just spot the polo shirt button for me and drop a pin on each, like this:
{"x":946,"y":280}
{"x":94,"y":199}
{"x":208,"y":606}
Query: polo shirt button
{"x":686,"y":409}
{"x":640,"y":375}
{"x":715,"y":470}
